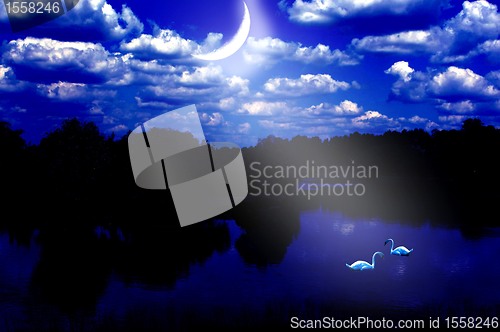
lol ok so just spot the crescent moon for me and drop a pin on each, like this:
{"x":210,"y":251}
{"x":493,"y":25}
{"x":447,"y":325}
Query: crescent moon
{"x":231,"y":46}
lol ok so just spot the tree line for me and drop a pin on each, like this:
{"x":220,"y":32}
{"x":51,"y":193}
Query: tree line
{"x":76,"y":170}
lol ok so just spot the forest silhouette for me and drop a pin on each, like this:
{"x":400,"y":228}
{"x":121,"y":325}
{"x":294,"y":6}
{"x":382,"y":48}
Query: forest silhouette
{"x":78,"y":173}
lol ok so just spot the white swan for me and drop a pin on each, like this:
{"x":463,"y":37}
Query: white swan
{"x":399,"y":251}
{"x":362,"y":265}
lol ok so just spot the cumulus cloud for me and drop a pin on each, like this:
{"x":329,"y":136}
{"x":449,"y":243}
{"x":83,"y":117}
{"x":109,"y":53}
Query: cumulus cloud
{"x":463,"y":83}
{"x":8,"y":82}
{"x":212,"y":120}
{"x":491,"y":48}
{"x":268,"y":51}
{"x":65,"y":91}
{"x":202,"y":76}
{"x":92,"y":20}
{"x":456,"y":40}
{"x":374,"y":119}
{"x":454,"y":90}
{"x":197,"y":85}
{"x":3,"y":72}
{"x":327,"y":11}
{"x":305,"y":85}
{"x":402,"y":43}
{"x":75,"y":57}
{"x":494,"y":77}
{"x":164,"y":43}
{"x":452,"y":120}
{"x":417,"y":122}
{"x":346,"y":107}
{"x":265,"y":108}
{"x":401,"y":69}
{"x":461,"y":107}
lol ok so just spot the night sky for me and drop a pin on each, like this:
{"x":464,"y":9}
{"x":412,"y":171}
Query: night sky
{"x":316,"y":68}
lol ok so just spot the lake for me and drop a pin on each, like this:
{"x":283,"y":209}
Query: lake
{"x":107,"y":278}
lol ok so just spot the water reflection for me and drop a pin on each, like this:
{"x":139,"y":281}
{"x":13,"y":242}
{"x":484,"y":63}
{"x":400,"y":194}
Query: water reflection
{"x":158,"y":257}
{"x":268,"y":232}
{"x":235,"y":272}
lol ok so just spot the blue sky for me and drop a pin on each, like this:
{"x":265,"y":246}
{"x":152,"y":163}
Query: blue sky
{"x":316,"y":68}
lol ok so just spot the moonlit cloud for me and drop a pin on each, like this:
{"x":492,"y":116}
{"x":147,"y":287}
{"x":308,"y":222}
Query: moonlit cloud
{"x":328,"y":11}
{"x":305,"y":85}
{"x":402,"y":42}
{"x":91,"y":20}
{"x":47,"y":54}
{"x":165,"y":43}
{"x":269,"y":51}
{"x":478,"y":22}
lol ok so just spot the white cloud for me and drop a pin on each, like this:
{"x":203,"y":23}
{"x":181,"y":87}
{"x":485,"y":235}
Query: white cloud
{"x":65,"y":91}
{"x":452,"y":119}
{"x":212,"y":120}
{"x":491,"y":48}
{"x":346,"y":107}
{"x":462,"y":82}
{"x":244,"y":128}
{"x":325,"y":11}
{"x":454,"y":85}
{"x":3,"y":72}
{"x":227,"y":104}
{"x":401,"y":69}
{"x":164,"y":43}
{"x":494,"y":77}
{"x":417,"y":121}
{"x":455,"y":40}
{"x":49,"y":54}
{"x":121,"y":128}
{"x":8,"y":82}
{"x":208,"y":75}
{"x":239,"y":85}
{"x":264,"y":108}
{"x":403,"y":42}
{"x":269,"y":51}
{"x":152,"y":104}
{"x":462,"y":107}
{"x":477,"y":18}
{"x":305,"y":85}
{"x":98,"y":20}
{"x":372,"y":119}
